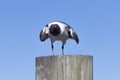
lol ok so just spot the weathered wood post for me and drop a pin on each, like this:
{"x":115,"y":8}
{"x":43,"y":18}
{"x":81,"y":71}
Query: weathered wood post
{"x":68,"y":67}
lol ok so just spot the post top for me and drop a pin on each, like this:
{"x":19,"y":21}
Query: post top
{"x":66,"y":56}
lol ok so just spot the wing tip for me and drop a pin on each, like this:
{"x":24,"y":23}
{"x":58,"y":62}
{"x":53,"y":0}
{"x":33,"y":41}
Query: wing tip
{"x":77,"y":40}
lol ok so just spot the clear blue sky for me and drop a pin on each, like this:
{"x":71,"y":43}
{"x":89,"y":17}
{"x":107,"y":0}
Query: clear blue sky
{"x":97,"y":23}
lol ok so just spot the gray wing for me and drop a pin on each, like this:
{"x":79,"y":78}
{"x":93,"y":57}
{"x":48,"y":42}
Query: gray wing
{"x":43,"y":35}
{"x":72,"y":34}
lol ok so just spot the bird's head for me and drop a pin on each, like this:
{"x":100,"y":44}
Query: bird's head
{"x":54,"y":29}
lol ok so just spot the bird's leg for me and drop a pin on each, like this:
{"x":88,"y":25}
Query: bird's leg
{"x":52,"y":49}
{"x":62,"y":50}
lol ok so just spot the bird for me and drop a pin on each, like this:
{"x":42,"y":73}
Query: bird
{"x":58,"y":31}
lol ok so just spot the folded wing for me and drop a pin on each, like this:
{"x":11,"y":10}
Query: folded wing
{"x":43,"y":34}
{"x":72,"y":34}
{"x":75,"y":37}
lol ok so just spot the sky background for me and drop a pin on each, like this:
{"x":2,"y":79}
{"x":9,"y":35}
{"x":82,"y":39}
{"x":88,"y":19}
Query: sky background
{"x":97,"y":23}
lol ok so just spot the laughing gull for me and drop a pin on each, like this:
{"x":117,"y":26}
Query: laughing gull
{"x":60,"y":31}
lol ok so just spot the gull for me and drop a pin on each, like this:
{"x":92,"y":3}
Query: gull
{"x":58,"y":31}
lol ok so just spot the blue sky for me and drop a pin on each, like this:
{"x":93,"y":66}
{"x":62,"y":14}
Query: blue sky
{"x":97,"y":24}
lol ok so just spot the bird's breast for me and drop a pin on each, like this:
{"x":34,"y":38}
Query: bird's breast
{"x":61,"y":36}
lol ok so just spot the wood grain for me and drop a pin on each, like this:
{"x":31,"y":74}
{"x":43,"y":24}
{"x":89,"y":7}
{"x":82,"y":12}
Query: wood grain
{"x":69,"y":67}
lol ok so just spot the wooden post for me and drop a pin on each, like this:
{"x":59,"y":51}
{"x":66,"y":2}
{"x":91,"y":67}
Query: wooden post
{"x":68,"y":67}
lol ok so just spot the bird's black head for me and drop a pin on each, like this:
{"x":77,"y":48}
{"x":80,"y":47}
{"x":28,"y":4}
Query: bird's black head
{"x":54,"y":29}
